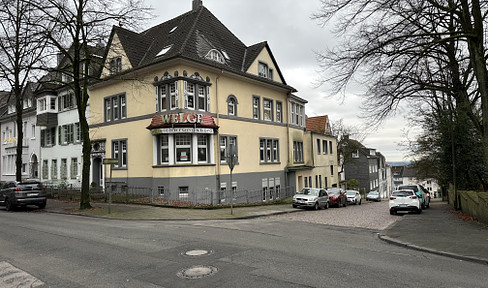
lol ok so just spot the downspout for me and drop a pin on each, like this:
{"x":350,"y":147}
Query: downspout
{"x":217,"y":142}
{"x":288,"y":142}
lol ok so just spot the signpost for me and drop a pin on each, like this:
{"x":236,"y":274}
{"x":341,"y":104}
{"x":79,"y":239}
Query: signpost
{"x":111,"y":162}
{"x":231,"y":161}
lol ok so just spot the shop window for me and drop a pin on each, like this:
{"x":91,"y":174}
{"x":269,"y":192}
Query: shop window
{"x":202,"y":141}
{"x":119,"y":151}
{"x":164,"y":146}
{"x":183,"y":148}
{"x":115,"y":108}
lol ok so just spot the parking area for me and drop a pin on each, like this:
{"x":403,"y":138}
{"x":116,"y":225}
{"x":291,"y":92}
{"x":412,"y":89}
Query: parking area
{"x":369,"y":215}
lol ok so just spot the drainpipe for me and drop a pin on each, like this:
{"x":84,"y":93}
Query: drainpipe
{"x":217,"y":142}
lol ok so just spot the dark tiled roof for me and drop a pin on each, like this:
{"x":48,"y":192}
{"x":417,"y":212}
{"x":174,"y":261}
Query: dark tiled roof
{"x":191,"y":36}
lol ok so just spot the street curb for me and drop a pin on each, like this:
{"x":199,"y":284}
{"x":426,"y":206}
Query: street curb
{"x":176,"y":219}
{"x":432,"y":251}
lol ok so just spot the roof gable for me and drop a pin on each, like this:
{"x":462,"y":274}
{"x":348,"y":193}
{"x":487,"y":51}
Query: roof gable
{"x":319,"y":124}
{"x":196,"y":35}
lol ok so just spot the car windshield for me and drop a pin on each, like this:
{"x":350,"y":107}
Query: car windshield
{"x":373,"y":193}
{"x":351,"y":193}
{"x":414,"y":188}
{"x":333,"y":191}
{"x":308,"y":191}
{"x":402,"y":193}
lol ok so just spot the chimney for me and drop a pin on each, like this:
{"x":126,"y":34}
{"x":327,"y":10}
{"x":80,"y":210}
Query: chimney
{"x":197,"y":4}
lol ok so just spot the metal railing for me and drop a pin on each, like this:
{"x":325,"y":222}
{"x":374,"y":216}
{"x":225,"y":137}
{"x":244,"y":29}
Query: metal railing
{"x":122,"y":193}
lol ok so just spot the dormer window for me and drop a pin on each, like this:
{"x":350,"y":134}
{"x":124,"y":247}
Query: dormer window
{"x":265,"y":71}
{"x":216,"y":56}
{"x":164,"y":50}
{"x":115,"y":65}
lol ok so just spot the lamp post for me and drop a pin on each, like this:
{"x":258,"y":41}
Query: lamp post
{"x":231,"y":161}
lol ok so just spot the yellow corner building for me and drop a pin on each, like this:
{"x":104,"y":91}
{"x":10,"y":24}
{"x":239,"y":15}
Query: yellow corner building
{"x":177,"y":100}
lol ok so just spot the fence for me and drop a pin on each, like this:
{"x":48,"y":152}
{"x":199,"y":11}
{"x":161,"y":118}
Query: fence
{"x":122,"y":193}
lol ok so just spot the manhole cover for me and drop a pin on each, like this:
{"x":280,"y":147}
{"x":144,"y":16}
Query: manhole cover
{"x":196,"y":272}
{"x":197,"y":253}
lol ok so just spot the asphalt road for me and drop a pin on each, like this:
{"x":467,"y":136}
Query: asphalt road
{"x":50,"y":250}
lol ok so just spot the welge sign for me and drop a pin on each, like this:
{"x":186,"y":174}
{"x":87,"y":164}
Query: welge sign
{"x":182,"y":118}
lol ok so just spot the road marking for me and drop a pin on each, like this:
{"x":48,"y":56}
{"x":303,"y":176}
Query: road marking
{"x":11,"y":277}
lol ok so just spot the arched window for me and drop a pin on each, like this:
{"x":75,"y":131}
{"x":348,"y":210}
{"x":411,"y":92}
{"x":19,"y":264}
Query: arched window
{"x":216,"y":56}
{"x":232,"y":105}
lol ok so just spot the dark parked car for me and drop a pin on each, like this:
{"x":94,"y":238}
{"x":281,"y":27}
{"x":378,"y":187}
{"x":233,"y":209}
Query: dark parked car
{"x":337,"y":197}
{"x":20,"y":194}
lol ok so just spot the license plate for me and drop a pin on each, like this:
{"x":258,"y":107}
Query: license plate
{"x":402,"y":205}
{"x":32,"y":194}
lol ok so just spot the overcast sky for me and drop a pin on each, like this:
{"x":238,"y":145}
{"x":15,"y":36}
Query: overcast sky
{"x":293,"y":37}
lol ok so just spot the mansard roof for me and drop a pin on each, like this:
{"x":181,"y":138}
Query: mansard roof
{"x":191,"y":36}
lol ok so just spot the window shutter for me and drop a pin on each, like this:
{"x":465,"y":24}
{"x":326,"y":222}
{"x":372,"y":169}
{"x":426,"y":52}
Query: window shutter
{"x":43,"y":136}
{"x":60,"y":129}
{"x":185,"y":92}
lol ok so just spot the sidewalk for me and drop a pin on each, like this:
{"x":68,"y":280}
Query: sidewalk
{"x":146,"y":212}
{"x":438,"y":230}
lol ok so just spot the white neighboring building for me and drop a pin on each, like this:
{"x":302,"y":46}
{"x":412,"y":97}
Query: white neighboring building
{"x":30,"y":146}
{"x":60,"y":138}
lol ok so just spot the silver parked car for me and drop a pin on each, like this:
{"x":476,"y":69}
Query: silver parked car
{"x":315,"y":198}
{"x":353,"y":197}
{"x":373,"y":196}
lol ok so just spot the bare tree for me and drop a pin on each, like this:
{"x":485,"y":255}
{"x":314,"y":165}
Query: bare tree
{"x":404,"y":47}
{"x":76,"y":27}
{"x":21,"y":51}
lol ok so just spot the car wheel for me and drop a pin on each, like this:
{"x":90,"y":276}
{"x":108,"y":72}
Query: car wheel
{"x":42,"y":206}
{"x":9,"y":205}
{"x":326,"y":205}
{"x":316,"y":206}
{"x":359,"y":201}
{"x":345,"y":203}
{"x":293,"y":205}
{"x":419,"y":211}
{"x":392,"y":212}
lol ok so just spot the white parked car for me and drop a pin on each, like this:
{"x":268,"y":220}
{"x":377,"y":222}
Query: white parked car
{"x":353,"y":197}
{"x":311,"y":198}
{"x":404,"y":201}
